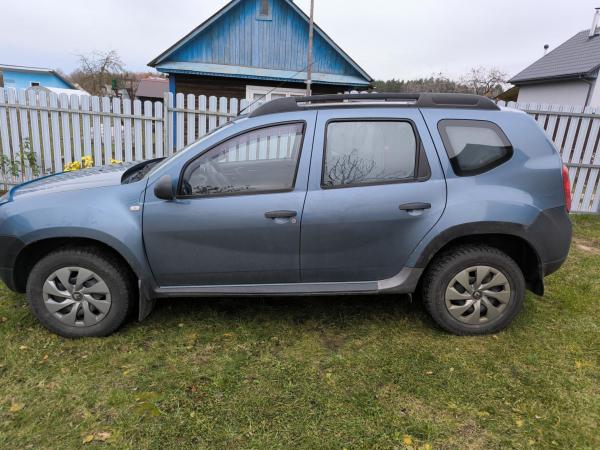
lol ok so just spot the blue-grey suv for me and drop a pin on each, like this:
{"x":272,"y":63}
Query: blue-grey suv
{"x":444,"y":196}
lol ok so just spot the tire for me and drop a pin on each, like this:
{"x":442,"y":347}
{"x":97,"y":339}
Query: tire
{"x":96,"y":305}
{"x":473,"y":290}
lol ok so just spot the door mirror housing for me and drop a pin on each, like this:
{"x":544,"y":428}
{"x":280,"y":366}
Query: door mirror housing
{"x":163,"y":189}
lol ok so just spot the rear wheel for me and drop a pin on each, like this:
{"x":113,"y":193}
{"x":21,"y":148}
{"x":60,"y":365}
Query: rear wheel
{"x":473,"y":290}
{"x":79,"y":293}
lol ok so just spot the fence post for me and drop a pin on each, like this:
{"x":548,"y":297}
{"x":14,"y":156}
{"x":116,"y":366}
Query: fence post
{"x":165,"y":123}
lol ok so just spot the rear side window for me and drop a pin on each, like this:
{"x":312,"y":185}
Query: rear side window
{"x":473,"y":146}
{"x":369,"y":152}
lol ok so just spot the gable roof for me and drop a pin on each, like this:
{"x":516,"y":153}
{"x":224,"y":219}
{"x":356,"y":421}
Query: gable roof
{"x":25,"y":69}
{"x":579,"y":57}
{"x":190,"y":67}
{"x":153,"y":87}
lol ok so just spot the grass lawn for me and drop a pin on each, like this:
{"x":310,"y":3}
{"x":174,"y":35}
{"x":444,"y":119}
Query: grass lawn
{"x":361,"y":372}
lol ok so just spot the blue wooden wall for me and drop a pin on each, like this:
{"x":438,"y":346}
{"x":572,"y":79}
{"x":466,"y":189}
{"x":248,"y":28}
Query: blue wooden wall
{"x":19,"y":79}
{"x":240,"y":38}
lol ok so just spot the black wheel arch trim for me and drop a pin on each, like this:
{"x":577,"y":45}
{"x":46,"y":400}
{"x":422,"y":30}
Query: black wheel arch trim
{"x":549,"y":237}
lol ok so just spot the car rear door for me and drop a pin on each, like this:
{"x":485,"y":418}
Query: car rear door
{"x":376,"y":188}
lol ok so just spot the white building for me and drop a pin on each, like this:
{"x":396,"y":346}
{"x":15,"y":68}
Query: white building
{"x":568,"y":75}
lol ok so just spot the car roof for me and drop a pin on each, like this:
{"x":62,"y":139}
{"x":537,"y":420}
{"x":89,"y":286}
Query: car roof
{"x":424,"y":100}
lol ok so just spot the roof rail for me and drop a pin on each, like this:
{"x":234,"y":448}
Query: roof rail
{"x":426,"y":100}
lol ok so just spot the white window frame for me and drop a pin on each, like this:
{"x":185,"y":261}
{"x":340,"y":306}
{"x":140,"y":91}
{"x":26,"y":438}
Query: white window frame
{"x":267,"y":91}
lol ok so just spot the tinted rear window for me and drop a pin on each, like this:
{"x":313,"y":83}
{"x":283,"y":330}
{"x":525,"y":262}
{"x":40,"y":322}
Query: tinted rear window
{"x":473,"y":146}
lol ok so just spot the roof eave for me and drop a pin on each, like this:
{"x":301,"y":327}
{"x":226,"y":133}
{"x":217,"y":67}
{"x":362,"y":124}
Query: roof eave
{"x":347,"y":83}
{"x":591,"y":75}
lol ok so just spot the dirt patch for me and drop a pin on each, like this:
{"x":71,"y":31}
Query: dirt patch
{"x":586,"y":246}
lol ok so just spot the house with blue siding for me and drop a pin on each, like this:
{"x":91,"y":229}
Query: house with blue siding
{"x":257,"y":49}
{"x":21,"y":77}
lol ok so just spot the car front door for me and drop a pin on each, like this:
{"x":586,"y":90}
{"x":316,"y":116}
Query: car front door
{"x":236,"y":218}
{"x":376,"y":188}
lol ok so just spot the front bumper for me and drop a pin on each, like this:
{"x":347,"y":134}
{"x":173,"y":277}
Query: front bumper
{"x":10,"y":247}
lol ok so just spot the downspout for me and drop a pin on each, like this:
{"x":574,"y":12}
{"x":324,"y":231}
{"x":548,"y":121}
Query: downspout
{"x":589,"y":94}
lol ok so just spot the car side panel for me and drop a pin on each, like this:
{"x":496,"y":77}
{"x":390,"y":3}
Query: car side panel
{"x":102,"y":214}
{"x":518,"y":196}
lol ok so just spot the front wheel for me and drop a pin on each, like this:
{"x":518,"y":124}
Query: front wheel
{"x":473,"y":290}
{"x":79,"y":293}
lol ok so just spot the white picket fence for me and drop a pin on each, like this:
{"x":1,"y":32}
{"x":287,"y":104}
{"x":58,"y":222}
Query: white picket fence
{"x":575,"y":132}
{"x":41,"y":132}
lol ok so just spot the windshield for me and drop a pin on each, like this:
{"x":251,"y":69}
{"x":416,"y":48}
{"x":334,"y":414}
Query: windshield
{"x":184,"y":151}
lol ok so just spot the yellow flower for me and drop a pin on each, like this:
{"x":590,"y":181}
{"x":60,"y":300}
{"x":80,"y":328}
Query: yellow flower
{"x":87,"y":162}
{"x":407,"y":440}
{"x":116,"y":161}
{"x":70,"y":167}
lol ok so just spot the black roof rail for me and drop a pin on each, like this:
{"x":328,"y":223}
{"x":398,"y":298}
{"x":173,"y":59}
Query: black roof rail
{"x":426,"y":100}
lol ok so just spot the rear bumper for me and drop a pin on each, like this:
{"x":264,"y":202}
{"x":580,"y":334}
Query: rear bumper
{"x":550,"y":267}
{"x":552,"y":233}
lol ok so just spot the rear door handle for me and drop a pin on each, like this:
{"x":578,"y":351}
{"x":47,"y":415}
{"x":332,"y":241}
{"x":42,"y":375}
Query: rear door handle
{"x":281,"y":214}
{"x":415,"y":206}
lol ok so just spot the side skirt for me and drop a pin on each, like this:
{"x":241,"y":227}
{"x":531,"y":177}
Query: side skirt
{"x":403,"y":283}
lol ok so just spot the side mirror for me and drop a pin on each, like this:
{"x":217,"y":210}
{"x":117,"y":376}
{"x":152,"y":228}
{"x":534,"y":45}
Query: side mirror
{"x":163,"y":189}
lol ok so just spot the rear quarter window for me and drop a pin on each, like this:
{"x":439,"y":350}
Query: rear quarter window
{"x":474,"y":147}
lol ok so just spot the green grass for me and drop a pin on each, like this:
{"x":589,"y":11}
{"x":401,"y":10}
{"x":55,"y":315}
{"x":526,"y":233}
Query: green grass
{"x":361,"y":372}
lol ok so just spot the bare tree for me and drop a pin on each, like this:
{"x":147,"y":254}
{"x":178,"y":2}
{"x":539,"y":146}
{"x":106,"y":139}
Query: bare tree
{"x":97,"y":70}
{"x":488,"y":81}
{"x":349,"y":169}
{"x":479,"y":80}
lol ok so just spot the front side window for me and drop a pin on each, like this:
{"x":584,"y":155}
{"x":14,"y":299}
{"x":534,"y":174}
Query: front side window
{"x":259,"y":161}
{"x":474,"y":146}
{"x":369,"y":152}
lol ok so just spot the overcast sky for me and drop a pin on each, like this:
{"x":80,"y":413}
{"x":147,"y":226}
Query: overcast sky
{"x":389,"y":38}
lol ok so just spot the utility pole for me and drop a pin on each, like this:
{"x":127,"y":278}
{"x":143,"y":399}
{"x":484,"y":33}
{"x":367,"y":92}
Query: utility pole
{"x":311,"y":35}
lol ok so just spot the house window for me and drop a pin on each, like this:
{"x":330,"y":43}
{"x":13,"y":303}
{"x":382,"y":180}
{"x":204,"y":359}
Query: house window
{"x":258,"y":95}
{"x":264,"y":10}
{"x":34,"y":84}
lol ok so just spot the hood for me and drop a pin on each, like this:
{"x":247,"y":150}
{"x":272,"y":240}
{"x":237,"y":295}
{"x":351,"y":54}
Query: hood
{"x":101,"y":176}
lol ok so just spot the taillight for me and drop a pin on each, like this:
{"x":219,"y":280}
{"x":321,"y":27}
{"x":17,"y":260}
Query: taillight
{"x":567,"y":188}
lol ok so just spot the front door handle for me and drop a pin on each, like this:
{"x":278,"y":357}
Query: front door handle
{"x":415,"y":206}
{"x":281,"y":214}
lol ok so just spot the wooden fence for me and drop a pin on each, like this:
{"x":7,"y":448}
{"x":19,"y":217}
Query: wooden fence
{"x":575,"y":132}
{"x":41,"y":132}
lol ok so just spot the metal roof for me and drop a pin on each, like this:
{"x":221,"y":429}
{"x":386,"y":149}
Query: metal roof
{"x":579,"y":57}
{"x":153,"y":87}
